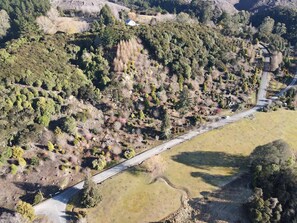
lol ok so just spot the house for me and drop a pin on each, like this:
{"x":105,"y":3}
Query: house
{"x":130,"y":22}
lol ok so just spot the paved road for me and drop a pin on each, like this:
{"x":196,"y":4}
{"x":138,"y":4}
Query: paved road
{"x":54,"y":208}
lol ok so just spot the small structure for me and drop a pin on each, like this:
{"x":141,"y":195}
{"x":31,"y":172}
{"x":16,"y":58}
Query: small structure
{"x":130,"y":22}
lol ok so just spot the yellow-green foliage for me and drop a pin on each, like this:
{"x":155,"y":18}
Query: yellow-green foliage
{"x":17,"y":152}
{"x":50,"y":146}
{"x":13,"y":169}
{"x":22,"y":162}
{"x":26,"y":210}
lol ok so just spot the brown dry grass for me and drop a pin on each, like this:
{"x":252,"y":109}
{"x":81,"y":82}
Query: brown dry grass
{"x":202,"y":164}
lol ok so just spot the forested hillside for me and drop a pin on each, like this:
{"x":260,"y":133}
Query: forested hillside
{"x":72,"y":102}
{"x":87,"y":100}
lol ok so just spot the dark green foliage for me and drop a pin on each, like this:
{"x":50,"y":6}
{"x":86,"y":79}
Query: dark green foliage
{"x":184,"y":100}
{"x":90,"y":193}
{"x":285,"y":15}
{"x":277,"y":152}
{"x":166,"y":126}
{"x":96,"y":67}
{"x":68,"y":125}
{"x":184,"y":47}
{"x":274,"y":171}
{"x":23,"y":14}
{"x":106,"y":17}
{"x":261,"y":210}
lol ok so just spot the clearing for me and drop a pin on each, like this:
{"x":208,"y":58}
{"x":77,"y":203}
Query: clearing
{"x":201,"y":165}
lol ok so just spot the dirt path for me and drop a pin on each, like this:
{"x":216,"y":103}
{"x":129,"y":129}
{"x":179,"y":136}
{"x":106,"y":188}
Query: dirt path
{"x":223,"y":205}
{"x":185,"y":193}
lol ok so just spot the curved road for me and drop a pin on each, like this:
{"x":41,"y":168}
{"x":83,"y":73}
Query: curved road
{"x":55,"y":207}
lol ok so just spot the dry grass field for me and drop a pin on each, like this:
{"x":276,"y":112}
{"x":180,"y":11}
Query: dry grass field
{"x":202,"y":164}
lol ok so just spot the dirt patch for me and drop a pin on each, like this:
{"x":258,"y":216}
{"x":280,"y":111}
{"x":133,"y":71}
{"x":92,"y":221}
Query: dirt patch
{"x":218,"y":206}
{"x":53,"y":23}
{"x":89,"y":6}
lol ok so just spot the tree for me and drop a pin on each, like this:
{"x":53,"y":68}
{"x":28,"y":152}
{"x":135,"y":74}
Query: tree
{"x":90,"y":193}
{"x":280,"y":29}
{"x":4,"y":23}
{"x":99,"y":163}
{"x":106,"y":17}
{"x":166,"y":125}
{"x":184,"y":99}
{"x":266,"y":26}
{"x":68,"y":125}
{"x":26,"y":210}
{"x":50,"y":146}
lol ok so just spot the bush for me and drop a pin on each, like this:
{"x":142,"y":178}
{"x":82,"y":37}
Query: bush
{"x":22,"y":162}
{"x":38,"y":198}
{"x":50,"y":146}
{"x":100,"y":163}
{"x":34,"y":161}
{"x":129,"y":153}
{"x":7,"y":153}
{"x":43,"y":120}
{"x":68,"y":125}
{"x":26,"y":210}
{"x":13,"y":169}
{"x":17,"y":152}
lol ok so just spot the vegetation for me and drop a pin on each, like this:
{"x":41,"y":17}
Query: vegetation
{"x":86,"y":100}
{"x":90,"y":193}
{"x":274,"y":171}
{"x":26,"y":210}
{"x":22,"y":14}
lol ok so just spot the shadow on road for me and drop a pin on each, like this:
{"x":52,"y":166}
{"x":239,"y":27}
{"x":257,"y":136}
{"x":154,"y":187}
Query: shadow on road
{"x":33,"y":188}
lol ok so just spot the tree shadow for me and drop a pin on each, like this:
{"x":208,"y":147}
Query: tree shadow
{"x":204,"y":159}
{"x":33,"y":188}
{"x":215,"y":180}
{"x":225,"y":204}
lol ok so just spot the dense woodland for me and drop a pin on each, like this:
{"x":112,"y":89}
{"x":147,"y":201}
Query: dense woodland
{"x":273,"y":168}
{"x":88,"y":100}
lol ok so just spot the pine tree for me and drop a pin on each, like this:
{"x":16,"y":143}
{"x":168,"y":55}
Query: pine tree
{"x":166,"y":126}
{"x":90,"y":193}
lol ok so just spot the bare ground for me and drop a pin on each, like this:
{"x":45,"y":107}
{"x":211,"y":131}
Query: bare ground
{"x":224,"y":205}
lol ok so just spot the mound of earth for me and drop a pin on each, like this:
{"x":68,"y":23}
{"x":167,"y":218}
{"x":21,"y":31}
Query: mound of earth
{"x":88,"y":6}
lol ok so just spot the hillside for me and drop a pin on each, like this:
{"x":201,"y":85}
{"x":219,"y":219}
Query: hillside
{"x":259,"y":5}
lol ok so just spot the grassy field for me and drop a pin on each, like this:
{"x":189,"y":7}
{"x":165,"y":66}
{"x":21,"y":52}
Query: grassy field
{"x":202,"y":164}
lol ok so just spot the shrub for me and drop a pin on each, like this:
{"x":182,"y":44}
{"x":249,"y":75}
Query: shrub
{"x":22,"y":162}
{"x":100,"y":163}
{"x":43,"y":120}
{"x":34,"y":161}
{"x":17,"y":152}
{"x":68,"y":125}
{"x":50,"y":146}
{"x":129,"y":153}
{"x":38,"y":198}
{"x":26,"y":210}
{"x":13,"y":169}
{"x":7,"y":153}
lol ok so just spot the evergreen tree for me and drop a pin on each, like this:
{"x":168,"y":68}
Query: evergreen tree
{"x":166,"y":125}
{"x":90,"y":193}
